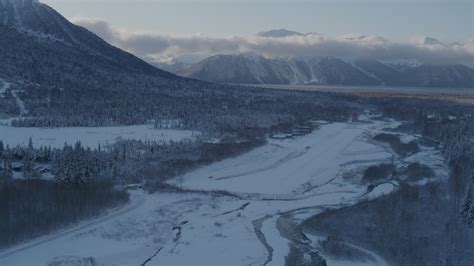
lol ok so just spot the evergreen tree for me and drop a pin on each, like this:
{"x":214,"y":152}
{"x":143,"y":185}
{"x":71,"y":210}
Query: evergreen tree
{"x":1,"y":150}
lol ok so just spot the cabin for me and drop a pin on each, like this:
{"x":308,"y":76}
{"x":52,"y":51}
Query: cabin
{"x":281,"y":136}
{"x":304,"y":129}
{"x":431,"y":118}
{"x":314,"y":124}
{"x":319,"y":122}
{"x":17,"y":166}
{"x":133,"y":187}
{"x":301,"y":130}
{"x":452,"y":118}
{"x":44,"y":170}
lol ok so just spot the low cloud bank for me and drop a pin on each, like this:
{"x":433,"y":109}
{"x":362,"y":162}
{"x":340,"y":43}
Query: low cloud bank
{"x":165,"y":46}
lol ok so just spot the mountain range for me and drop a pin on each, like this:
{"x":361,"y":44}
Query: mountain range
{"x":282,"y":33}
{"x":254,"y":69}
{"x":41,"y":46}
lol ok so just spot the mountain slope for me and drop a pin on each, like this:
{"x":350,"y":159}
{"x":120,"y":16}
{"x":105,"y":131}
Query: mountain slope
{"x":245,"y":69}
{"x":40,"y":45}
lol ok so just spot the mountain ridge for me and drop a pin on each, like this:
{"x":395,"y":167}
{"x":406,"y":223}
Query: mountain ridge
{"x":282,"y":33}
{"x":302,"y":70}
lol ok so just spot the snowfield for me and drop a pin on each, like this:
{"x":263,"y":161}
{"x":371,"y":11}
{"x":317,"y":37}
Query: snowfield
{"x":276,"y":186}
{"x":88,"y":136}
{"x":289,"y":167}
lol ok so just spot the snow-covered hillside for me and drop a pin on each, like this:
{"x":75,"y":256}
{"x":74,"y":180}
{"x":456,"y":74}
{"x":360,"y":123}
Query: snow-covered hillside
{"x":63,"y":52}
{"x":240,"y":211}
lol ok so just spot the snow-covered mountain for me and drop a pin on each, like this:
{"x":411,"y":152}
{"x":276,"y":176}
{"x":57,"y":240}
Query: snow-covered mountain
{"x":282,"y":33}
{"x":252,"y":69}
{"x":431,"y":41}
{"x":279,"y":33}
{"x":39,"y":45}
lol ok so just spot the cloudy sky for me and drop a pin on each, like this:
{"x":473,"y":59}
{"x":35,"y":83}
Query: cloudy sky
{"x":386,"y":29}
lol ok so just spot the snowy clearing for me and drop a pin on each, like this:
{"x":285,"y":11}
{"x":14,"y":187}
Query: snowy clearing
{"x":381,"y":190}
{"x":20,"y":103}
{"x":88,"y":136}
{"x":292,"y":178}
{"x":289,"y":167}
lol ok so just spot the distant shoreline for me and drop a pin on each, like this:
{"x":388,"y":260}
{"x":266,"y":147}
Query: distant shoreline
{"x":459,"y":95}
{"x":358,"y":89}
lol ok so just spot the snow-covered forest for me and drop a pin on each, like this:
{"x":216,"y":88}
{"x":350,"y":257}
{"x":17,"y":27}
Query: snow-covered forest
{"x":50,"y":175}
{"x":108,"y":160}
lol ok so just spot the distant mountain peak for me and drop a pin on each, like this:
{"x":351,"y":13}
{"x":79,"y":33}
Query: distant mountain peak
{"x":250,"y":55}
{"x":279,"y":33}
{"x":42,"y":22}
{"x":282,"y":33}
{"x":431,"y":41}
{"x":355,"y":37}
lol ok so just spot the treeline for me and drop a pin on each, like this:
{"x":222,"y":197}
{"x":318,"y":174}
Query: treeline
{"x":197,"y":106}
{"x":31,"y":205}
{"x":31,"y":208}
{"x":127,"y":161}
{"x":412,"y":227}
{"x":451,"y":125}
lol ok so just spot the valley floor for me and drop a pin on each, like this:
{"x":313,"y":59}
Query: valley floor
{"x":459,"y":95}
{"x":267,"y":192}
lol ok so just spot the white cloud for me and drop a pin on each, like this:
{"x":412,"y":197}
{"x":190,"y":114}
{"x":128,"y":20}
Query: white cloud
{"x":155,"y":45}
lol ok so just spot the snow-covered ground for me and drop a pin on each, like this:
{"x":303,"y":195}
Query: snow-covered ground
{"x":371,"y":259}
{"x":88,"y":136}
{"x":295,"y":178}
{"x":19,"y":102}
{"x":4,"y":86}
{"x":290,"y":167}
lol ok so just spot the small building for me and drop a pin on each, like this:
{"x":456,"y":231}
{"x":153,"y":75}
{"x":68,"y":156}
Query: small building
{"x":44,"y":170}
{"x":319,"y":122}
{"x":281,"y":136}
{"x":303,"y":129}
{"x":452,"y":118}
{"x":431,"y":118}
{"x":314,"y":124}
{"x":133,"y":187}
{"x":17,"y":166}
